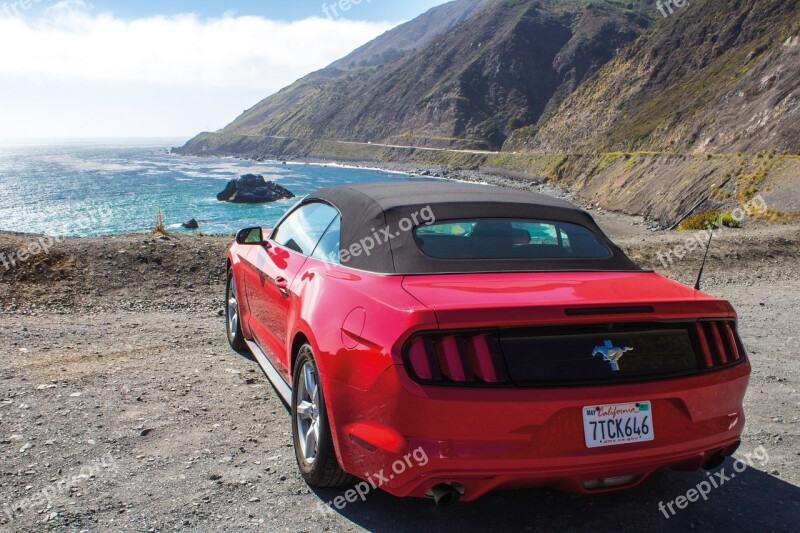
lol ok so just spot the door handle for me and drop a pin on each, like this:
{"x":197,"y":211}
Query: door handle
{"x":283,"y":286}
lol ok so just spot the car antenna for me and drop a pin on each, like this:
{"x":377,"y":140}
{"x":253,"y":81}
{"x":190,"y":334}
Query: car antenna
{"x":705,"y":258}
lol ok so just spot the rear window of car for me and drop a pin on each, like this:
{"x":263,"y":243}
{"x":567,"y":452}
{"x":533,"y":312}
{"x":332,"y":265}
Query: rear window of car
{"x":492,"y":238}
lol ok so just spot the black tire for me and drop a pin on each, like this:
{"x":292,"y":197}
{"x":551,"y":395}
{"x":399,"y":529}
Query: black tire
{"x":324,"y":471}
{"x":234,"y":331}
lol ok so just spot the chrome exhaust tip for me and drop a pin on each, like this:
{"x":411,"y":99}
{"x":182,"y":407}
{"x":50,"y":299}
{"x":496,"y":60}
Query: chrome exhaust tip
{"x":446,"y":494}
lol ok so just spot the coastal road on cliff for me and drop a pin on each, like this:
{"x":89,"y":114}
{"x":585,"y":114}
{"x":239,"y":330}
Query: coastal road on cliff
{"x":380,"y":145}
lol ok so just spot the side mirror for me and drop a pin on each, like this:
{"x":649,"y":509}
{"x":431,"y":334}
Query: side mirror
{"x":250,"y":237}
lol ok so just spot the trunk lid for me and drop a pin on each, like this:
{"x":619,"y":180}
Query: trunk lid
{"x":524,"y":299}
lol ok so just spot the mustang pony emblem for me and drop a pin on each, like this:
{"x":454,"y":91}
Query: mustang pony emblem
{"x":611,"y":354}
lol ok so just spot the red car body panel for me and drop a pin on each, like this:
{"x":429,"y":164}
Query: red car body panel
{"x":488,"y":439}
{"x":482,"y":439}
{"x":541,"y":298}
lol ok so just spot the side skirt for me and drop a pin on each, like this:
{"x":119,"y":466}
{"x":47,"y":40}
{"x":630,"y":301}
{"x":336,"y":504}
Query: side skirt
{"x":274,"y":377}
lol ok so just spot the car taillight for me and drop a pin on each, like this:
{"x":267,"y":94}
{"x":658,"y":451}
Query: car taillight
{"x":468,"y":358}
{"x":719,"y":343}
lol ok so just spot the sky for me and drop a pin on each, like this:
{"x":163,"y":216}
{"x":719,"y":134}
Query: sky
{"x":167,"y":68}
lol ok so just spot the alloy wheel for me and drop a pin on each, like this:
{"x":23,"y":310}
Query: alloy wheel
{"x":308,"y":422}
{"x":233,"y":309}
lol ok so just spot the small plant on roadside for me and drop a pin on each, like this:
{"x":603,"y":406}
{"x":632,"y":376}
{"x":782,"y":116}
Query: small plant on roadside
{"x":160,"y":228}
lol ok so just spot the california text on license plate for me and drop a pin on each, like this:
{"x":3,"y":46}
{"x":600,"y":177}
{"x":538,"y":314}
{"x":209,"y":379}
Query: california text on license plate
{"x":611,"y":425}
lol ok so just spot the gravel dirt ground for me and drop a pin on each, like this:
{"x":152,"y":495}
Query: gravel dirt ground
{"x":122,"y":402}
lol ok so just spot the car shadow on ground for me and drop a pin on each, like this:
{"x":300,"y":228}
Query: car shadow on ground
{"x":751,"y":500}
{"x":245,"y":354}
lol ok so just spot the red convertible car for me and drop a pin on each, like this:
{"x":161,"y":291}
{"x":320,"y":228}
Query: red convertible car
{"x":444,"y":340}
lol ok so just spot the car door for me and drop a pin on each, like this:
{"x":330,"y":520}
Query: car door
{"x":276,"y":266}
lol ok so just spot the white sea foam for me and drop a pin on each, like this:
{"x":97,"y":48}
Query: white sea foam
{"x":61,"y":189}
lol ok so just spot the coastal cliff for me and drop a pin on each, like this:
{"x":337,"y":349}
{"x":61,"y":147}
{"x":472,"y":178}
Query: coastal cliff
{"x":631,"y":110}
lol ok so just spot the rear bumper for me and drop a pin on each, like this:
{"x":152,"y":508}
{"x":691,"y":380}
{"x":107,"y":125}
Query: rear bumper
{"x":408,"y":438}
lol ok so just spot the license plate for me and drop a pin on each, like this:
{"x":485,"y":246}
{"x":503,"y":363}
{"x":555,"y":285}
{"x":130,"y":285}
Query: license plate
{"x":612,"y":425}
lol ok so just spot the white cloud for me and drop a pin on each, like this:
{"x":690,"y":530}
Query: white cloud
{"x":69,"y":43}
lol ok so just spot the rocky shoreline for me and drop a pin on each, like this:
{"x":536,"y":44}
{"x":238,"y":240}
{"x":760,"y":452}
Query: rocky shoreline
{"x":510,"y":180}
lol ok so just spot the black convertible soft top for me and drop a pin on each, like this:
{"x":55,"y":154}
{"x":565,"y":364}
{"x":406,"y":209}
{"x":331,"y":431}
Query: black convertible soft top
{"x":369,"y":208}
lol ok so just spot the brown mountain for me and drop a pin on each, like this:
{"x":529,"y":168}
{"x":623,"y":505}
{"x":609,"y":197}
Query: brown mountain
{"x":713,"y":77}
{"x":465,"y":74}
{"x":632,"y":111}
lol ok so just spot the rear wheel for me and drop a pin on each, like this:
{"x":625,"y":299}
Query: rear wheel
{"x":232,"y":316}
{"x":312,"y":435}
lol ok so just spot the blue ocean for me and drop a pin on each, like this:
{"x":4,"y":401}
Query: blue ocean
{"x":87,"y":189}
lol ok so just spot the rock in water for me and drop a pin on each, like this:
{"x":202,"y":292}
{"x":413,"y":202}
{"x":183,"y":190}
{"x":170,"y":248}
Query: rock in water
{"x":252,"y":189}
{"x":191,"y":224}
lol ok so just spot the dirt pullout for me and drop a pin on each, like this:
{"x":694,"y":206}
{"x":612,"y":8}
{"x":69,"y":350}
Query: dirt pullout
{"x":133,"y":272}
{"x":122,"y":402}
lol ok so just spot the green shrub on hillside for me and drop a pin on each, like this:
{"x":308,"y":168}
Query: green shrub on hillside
{"x":707,"y":220}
